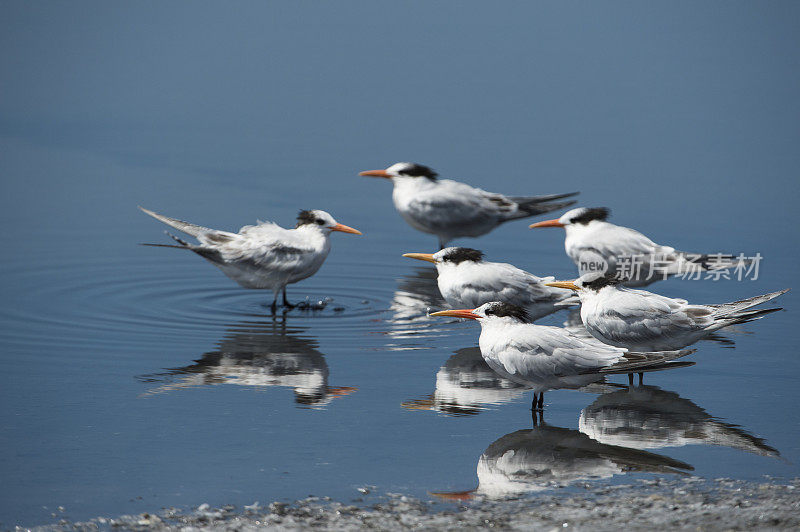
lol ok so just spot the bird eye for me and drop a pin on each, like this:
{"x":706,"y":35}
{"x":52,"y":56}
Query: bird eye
{"x":320,"y":222}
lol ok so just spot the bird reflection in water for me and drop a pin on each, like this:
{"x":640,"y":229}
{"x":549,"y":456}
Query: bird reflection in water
{"x":260,"y":355}
{"x":546,"y":457}
{"x":416,"y":295}
{"x":647,"y":417}
{"x":466,"y":385}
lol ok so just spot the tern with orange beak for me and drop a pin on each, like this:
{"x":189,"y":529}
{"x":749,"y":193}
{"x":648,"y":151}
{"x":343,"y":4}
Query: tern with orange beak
{"x":264,"y":256}
{"x":644,"y":321}
{"x":545,"y":358}
{"x":450,"y":209}
{"x":596,"y":245}
{"x":466,"y":280}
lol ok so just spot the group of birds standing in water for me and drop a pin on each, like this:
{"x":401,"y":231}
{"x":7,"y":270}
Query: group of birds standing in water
{"x":625,"y":330}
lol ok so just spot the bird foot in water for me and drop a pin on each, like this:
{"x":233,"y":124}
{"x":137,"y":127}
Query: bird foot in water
{"x":314,"y":305}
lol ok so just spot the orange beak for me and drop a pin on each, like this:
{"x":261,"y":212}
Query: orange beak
{"x":547,"y":223}
{"x":421,"y":256}
{"x":419,"y":404}
{"x":341,"y":391}
{"x":462,"y":313}
{"x":563,"y":284}
{"x":455,"y":495}
{"x":345,"y":229}
{"x":375,"y":173}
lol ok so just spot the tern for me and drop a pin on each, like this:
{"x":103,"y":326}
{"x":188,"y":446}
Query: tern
{"x":466,"y":280}
{"x":544,"y":357}
{"x":596,"y":245}
{"x":642,"y":320}
{"x":263,"y":256}
{"x":466,"y":386}
{"x":450,"y":209}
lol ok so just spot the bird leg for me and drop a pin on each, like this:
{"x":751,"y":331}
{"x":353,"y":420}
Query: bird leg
{"x":537,"y":416}
{"x":538,"y":402}
{"x":630,"y":379}
{"x":286,"y":301}
{"x":274,"y":305}
{"x":641,"y":376}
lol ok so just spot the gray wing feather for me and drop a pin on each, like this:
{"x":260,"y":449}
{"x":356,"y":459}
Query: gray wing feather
{"x":729,"y":310}
{"x":539,"y":199}
{"x":180,"y":225}
{"x":632,"y":361}
{"x":536,"y":205}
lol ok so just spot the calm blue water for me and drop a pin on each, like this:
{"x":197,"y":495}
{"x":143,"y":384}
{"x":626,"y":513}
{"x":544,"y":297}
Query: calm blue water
{"x":136,"y":378}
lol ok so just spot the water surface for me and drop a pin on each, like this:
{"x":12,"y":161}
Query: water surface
{"x":136,"y":378}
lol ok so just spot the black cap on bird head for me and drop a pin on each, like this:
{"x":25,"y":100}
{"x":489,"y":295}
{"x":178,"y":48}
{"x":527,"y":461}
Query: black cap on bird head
{"x":503,"y":310}
{"x":596,"y":281}
{"x":457,"y":255}
{"x":305,"y":217}
{"x":416,"y":170}
{"x":589,"y":214}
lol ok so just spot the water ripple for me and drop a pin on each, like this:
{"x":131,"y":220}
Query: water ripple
{"x":90,"y":304}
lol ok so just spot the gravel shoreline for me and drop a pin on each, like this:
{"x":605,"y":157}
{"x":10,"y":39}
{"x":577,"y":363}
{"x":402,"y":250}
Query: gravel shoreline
{"x":691,"y":503}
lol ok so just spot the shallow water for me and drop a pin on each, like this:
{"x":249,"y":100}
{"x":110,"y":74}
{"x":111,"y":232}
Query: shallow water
{"x":136,"y":378}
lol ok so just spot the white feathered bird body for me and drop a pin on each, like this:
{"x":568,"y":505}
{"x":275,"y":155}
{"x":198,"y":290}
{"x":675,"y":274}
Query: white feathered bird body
{"x":597,"y":246}
{"x":644,"y":321}
{"x":544,"y":357}
{"x":267,"y":256}
{"x":621,"y":248}
{"x":263,"y":256}
{"x":450,"y":209}
{"x":473,"y":283}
